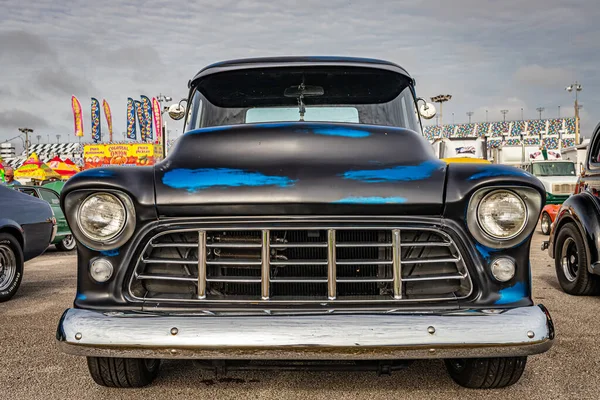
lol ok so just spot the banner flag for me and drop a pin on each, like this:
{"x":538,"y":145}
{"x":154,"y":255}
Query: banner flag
{"x":96,"y":131}
{"x":131,"y":131}
{"x":77,"y":116}
{"x":147,"y":112}
{"x":140,"y":118}
{"x":157,"y":114}
{"x":108,"y":116}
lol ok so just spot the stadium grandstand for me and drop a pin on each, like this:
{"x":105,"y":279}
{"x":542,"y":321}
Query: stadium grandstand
{"x":554,"y":133}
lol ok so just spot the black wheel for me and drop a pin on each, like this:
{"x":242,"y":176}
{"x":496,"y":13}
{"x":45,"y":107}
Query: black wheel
{"x":123,"y":372}
{"x":571,"y":263}
{"x":11,"y":266}
{"x":486,"y":373}
{"x":546,"y":222}
{"x":67,"y":244}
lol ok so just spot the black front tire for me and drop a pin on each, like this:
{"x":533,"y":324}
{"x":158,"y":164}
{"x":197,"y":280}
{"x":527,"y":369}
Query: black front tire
{"x":11,"y":266}
{"x":123,"y":372}
{"x":486,"y":373}
{"x":546,"y":222}
{"x":571,"y":263}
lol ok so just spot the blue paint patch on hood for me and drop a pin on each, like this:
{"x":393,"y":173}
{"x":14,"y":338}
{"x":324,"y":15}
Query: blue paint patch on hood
{"x":489,"y":171}
{"x":342,"y":131}
{"x":396,"y":174}
{"x":204,"y":178}
{"x":81,"y":296}
{"x":110,"y":253}
{"x":371,"y":200}
{"x":97,"y":173}
{"x":512,"y":294}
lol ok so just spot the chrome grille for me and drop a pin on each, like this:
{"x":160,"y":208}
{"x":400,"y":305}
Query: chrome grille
{"x":275,"y":264}
{"x":563,"y":188}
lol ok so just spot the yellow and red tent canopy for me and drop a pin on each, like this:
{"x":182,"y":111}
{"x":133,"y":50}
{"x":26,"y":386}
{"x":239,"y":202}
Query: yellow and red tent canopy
{"x":64,"y":169}
{"x":33,"y":168}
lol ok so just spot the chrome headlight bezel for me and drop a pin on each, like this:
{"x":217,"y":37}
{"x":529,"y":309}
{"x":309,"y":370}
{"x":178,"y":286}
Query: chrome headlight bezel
{"x":530,"y":197}
{"x":76,"y":199}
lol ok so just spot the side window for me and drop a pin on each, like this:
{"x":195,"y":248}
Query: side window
{"x":30,"y":192}
{"x":594,"y":151}
{"x":50,"y":197}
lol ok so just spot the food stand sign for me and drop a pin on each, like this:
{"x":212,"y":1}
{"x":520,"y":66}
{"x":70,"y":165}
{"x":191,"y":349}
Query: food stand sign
{"x":133,"y":154}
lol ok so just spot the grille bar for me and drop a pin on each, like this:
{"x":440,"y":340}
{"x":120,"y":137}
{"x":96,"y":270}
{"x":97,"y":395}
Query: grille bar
{"x":336,"y":264}
{"x":331,"y":265}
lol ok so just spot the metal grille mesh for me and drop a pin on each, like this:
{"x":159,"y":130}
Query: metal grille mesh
{"x":301,"y":265}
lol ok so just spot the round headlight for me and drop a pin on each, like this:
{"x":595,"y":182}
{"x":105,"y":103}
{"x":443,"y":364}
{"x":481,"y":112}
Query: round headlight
{"x":101,"y":216}
{"x":502,"y":214}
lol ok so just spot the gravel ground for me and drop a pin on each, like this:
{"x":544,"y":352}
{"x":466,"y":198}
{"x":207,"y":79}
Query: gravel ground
{"x":31,"y":367}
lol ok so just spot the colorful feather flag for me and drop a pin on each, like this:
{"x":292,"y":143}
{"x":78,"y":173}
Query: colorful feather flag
{"x":108,"y":116}
{"x":157,"y":114}
{"x":131,"y":131}
{"x":147,"y":112}
{"x":140,"y":116}
{"x":96,"y":131}
{"x":77,"y":116}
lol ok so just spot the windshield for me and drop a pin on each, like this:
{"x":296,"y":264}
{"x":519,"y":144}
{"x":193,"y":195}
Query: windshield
{"x":324,"y":94}
{"x":554,"y":169}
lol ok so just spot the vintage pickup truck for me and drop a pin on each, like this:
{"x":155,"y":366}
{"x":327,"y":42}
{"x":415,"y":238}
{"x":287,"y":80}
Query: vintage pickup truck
{"x":303,"y":217}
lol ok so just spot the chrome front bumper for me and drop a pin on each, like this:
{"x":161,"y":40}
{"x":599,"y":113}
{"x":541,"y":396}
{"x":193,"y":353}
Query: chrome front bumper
{"x":331,"y":336}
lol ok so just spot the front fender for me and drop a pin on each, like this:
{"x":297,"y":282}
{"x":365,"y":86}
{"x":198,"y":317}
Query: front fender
{"x":584,"y":210}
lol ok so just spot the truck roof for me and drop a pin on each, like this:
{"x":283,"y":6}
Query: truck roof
{"x":302,"y":61}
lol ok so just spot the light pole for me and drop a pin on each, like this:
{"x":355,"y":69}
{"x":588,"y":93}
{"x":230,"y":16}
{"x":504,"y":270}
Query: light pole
{"x":38,"y":138}
{"x":558,"y":111}
{"x":26,"y":131}
{"x":441,"y":99}
{"x":452,"y":118}
{"x":486,"y":115}
{"x":504,"y":112}
{"x":540,"y":110}
{"x":521,"y":113}
{"x":577,"y":88}
{"x":58,"y":138}
{"x":470,"y":114}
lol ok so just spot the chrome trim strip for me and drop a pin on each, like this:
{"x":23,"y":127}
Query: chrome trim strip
{"x":201,"y":264}
{"x":397,"y":263}
{"x":331,"y":265}
{"x":351,"y":336}
{"x":265,"y":274}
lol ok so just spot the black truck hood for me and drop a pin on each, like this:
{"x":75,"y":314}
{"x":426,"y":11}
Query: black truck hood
{"x":300,"y":168}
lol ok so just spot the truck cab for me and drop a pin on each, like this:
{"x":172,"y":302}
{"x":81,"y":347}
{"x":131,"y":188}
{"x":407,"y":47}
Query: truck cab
{"x":558,"y":176}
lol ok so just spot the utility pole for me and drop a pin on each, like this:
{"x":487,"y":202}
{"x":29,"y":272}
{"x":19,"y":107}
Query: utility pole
{"x":441,"y":99}
{"x":540,"y":110}
{"x":577,"y":88}
{"x":26,"y":131}
{"x":504,"y":112}
{"x":470,"y":114}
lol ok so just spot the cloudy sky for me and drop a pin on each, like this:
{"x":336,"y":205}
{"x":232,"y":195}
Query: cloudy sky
{"x":493,"y":55}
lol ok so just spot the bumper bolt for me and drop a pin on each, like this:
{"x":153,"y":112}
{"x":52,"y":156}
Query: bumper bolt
{"x":530,"y":334}
{"x":174,"y":331}
{"x":431,"y":330}
{"x":78,"y":336}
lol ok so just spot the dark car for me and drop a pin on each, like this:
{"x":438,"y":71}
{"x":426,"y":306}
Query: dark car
{"x":574,"y":238}
{"x":63,"y":240}
{"x":304,"y":217}
{"x":27,"y":226}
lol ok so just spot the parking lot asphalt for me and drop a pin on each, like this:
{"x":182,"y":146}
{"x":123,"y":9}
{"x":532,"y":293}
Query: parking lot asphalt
{"x":31,"y":367}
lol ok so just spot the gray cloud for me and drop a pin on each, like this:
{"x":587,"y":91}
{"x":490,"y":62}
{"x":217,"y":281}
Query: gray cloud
{"x":13,"y":119}
{"x":489,"y":55}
